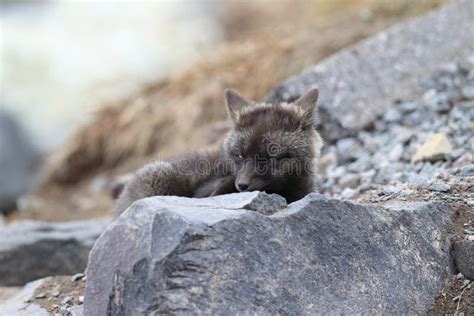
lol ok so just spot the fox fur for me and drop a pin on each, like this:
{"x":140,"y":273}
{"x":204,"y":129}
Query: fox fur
{"x":270,"y":147}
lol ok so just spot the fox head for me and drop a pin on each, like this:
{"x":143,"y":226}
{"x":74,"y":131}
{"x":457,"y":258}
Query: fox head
{"x":273,"y":147}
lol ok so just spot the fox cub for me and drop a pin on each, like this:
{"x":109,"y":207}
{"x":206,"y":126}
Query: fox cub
{"x":271,"y":147}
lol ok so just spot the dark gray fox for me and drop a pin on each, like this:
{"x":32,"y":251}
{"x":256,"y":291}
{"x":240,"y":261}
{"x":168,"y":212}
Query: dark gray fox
{"x":270,"y":147}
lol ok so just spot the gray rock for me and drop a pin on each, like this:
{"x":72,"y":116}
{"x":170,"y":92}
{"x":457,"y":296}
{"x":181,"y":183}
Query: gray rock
{"x":464,"y":257}
{"x":392,"y":116}
{"x":402,"y":134}
{"x":467,"y":170}
{"x":418,"y":180}
{"x":168,"y":255}
{"x":16,"y":162}
{"x":358,"y":84}
{"x":468,"y":92}
{"x":26,"y":303}
{"x":349,"y":180}
{"x":361,"y":164}
{"x":347,"y":149}
{"x":467,"y":64}
{"x":437,"y":101}
{"x":19,"y":304}
{"x":30,"y":250}
{"x":456,"y":153}
{"x":410,"y":106}
{"x":396,"y":152}
{"x":349,"y":193}
{"x":439,"y":186}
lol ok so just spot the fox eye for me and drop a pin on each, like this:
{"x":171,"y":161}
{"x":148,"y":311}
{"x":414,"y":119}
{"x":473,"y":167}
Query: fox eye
{"x":237,"y":156}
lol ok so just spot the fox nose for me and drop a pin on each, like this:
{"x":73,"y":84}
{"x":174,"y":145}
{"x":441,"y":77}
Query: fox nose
{"x":242,"y":186}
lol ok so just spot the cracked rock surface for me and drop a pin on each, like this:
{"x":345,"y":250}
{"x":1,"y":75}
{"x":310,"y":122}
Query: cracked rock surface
{"x":314,"y":256}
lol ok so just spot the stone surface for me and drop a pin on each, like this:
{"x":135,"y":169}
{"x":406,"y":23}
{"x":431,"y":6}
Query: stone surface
{"x":464,"y":257}
{"x":18,"y":304}
{"x":16,"y":162}
{"x":30,"y":250}
{"x":179,"y":255}
{"x":358,"y":84}
{"x":435,"y":148}
{"x":349,"y":180}
{"x":37,"y":298}
{"x":439,"y":186}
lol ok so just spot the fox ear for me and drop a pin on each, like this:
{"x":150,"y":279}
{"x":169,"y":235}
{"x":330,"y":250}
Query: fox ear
{"x":235,"y":103}
{"x":308,"y":103}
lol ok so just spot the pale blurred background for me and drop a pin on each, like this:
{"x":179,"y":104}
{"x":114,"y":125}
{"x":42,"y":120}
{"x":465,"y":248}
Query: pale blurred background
{"x":60,"y":59}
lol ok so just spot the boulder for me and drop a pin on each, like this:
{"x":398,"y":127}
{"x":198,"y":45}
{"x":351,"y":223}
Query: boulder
{"x":16,"y":162}
{"x":167,"y":255}
{"x":360,"y":83}
{"x":30,"y":250}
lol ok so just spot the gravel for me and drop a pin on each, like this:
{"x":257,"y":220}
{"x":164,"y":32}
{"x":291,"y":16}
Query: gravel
{"x":383,"y":156}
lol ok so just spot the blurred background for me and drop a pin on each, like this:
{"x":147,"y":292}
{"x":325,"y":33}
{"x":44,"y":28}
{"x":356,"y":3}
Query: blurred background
{"x":92,"y":89}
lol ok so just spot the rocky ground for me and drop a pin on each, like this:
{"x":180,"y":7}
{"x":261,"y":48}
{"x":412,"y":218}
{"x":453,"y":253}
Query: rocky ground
{"x":424,"y":144}
{"x":422,"y":150}
{"x":59,"y":295}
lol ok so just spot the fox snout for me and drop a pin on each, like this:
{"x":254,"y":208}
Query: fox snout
{"x":250,"y":182}
{"x":242,"y":183}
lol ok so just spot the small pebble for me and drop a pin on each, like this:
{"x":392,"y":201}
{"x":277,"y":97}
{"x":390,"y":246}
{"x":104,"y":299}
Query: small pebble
{"x":55,"y":293}
{"x":392,"y":116}
{"x":467,"y":170}
{"x":77,"y":277}
{"x":41,"y":295}
{"x":439,"y":187}
{"x":349,"y":181}
{"x":348,"y":193}
{"x":396,"y":152}
{"x":468,"y":92}
{"x":67,"y":300}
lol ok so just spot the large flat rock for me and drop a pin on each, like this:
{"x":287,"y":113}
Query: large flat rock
{"x":362,"y":82}
{"x":220,"y":256}
{"x":31,"y":250}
